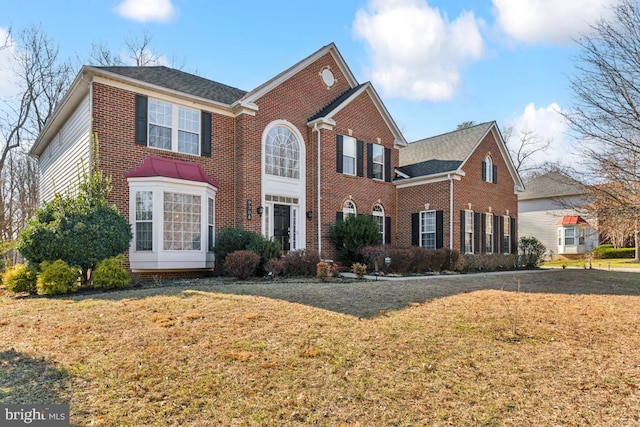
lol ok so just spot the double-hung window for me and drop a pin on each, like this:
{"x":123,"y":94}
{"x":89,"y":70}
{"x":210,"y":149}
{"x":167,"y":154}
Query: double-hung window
{"x":428,"y":229}
{"x":349,"y":155}
{"x":182,"y":216}
{"x":468,"y":232}
{"x":378,"y":161}
{"x":569,"y":236}
{"x":173,"y":127}
{"x":488,"y":233}
{"x":144,"y":221}
{"x":506,"y":236}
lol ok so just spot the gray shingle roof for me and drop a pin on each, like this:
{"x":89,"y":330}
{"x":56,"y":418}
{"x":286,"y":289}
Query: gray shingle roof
{"x":181,"y":82}
{"x":336,"y":102}
{"x":456,"y":145}
{"x":551,"y":184}
{"x":430,"y":167}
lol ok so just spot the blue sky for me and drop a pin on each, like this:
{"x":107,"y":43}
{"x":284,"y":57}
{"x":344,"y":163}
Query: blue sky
{"x":435,"y":63}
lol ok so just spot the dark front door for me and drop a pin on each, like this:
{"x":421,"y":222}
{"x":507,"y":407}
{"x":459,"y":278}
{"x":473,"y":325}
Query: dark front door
{"x":281,"y":225}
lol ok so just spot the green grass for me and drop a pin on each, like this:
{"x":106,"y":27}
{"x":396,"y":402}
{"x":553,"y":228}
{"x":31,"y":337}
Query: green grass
{"x":595,"y":263}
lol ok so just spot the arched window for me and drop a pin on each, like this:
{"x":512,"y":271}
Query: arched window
{"x":487,"y":173}
{"x":378,"y":216}
{"x":348,"y":208}
{"x":282,"y":153}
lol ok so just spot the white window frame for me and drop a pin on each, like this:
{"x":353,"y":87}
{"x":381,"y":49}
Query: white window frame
{"x":468,"y":231}
{"x":380,"y":162}
{"x":428,"y":229}
{"x":488,"y":169}
{"x":282,"y":146}
{"x":348,"y":159}
{"x":506,"y":236}
{"x":348,"y":208}
{"x":160,"y":258}
{"x":574,"y":236}
{"x":378,"y":213}
{"x":488,"y":233}
{"x":177,"y":123}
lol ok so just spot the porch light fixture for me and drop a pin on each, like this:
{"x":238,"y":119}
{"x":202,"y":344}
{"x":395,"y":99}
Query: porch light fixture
{"x":309,"y":214}
{"x":260,"y":210}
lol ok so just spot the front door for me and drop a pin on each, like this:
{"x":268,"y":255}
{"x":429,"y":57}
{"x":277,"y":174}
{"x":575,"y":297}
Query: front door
{"x":282,"y":225}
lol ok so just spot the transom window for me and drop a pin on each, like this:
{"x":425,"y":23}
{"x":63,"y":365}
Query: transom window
{"x":282,"y":153}
{"x":349,"y":155}
{"x":174,"y":128}
{"x":428,"y":229}
{"x":348,"y":208}
{"x":378,"y":161}
{"x":378,"y":216}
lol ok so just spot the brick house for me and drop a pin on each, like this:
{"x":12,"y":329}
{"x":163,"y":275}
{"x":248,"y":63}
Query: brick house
{"x":458,"y":190}
{"x":189,"y":157}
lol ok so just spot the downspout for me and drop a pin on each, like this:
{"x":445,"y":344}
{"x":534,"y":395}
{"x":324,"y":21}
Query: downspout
{"x":315,"y":128}
{"x":451,"y":211}
{"x":235,"y":143}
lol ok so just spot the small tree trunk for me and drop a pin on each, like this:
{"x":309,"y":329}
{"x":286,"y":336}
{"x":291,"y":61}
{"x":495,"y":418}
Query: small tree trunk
{"x":636,"y":233}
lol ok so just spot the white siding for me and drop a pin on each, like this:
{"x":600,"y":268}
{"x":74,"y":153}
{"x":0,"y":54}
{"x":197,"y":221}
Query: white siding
{"x":67,"y":152}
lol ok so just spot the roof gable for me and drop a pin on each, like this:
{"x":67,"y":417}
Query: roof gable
{"x":550,"y":185}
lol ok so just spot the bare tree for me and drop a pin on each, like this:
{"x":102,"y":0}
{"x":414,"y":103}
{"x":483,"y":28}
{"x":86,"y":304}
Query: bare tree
{"x":523,"y":147}
{"x":606,"y":113}
{"x":42,"y":79}
{"x":139,"y":51}
{"x":465,"y":124}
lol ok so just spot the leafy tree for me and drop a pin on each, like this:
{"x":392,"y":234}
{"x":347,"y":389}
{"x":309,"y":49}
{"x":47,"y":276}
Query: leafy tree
{"x":351,"y":234}
{"x":81,"y":230}
{"x":531,"y":252}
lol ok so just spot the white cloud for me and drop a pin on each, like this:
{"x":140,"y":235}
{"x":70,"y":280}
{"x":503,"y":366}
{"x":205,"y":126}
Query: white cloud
{"x":545,"y":123}
{"x":534,"y":21}
{"x":8,"y":80}
{"x":147,"y":10}
{"x":416,"y":51}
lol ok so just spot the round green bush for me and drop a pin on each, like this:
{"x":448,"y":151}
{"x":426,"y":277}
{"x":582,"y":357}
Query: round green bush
{"x":111,"y":274}
{"x":57,"y":278}
{"x":20,"y":278}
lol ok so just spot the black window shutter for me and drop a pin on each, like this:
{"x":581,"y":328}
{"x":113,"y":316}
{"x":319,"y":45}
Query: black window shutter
{"x":495,"y":174}
{"x":387,"y":164}
{"x":205,"y":135}
{"x":501,"y":231}
{"x":369,"y":160}
{"x":476,"y":233}
{"x":141,"y":120}
{"x":360,"y":158}
{"x":514,"y":237}
{"x":483,"y":232}
{"x":339,"y":153}
{"x":439,"y":230}
{"x":415,"y":229}
{"x":484,"y":170}
{"x":462,"y":231}
{"x":496,"y":234}
{"x":387,"y":230}
{"x":339,"y":216}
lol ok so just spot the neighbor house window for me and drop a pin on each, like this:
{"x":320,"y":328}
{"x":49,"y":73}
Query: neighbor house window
{"x":378,"y":161}
{"x":282,"y":153}
{"x":559,"y":236}
{"x":348,"y":155}
{"x":506,"y":237}
{"x":181,"y":222}
{"x":428,"y":229}
{"x":581,"y":235}
{"x":378,"y":216}
{"x":174,"y":128}
{"x":144,"y":221}
{"x":569,"y":236}
{"x":488,"y":233}
{"x":348,"y":208}
{"x":468,"y":232}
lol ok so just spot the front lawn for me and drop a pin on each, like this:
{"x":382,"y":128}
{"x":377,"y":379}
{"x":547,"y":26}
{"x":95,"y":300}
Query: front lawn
{"x":595,"y":263}
{"x":201,"y":354}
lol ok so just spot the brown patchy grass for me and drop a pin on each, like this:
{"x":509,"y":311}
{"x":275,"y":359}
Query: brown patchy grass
{"x":201,"y":354}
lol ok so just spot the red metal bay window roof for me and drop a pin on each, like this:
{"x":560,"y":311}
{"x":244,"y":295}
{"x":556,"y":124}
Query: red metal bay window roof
{"x":169,"y":168}
{"x":572,"y":220}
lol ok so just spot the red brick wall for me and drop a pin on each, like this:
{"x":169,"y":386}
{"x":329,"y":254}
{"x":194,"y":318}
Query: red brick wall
{"x":413,"y":200}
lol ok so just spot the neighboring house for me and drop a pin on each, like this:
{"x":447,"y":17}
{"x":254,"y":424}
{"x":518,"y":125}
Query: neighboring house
{"x":189,"y":156}
{"x":459,"y":190}
{"x":548,"y":212}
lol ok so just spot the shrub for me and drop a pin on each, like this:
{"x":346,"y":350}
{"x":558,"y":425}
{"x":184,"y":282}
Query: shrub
{"x":111,"y":274}
{"x":301,"y":263}
{"x":242,"y":264}
{"x":335,"y":270}
{"x":275,"y":267}
{"x":352,"y":234}
{"x":266,"y":249}
{"x":411,"y":260}
{"x":57,"y":278}
{"x":531,"y":252}
{"x":20,"y":278}
{"x":608,"y":252}
{"x":322,"y":270}
{"x":489,"y":262}
{"x":359,"y":270}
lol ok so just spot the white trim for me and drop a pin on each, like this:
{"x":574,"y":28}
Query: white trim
{"x":430,"y":179}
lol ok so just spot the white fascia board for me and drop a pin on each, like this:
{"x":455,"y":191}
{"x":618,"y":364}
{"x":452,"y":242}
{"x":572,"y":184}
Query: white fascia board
{"x":322,"y":123}
{"x":430,"y":179}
